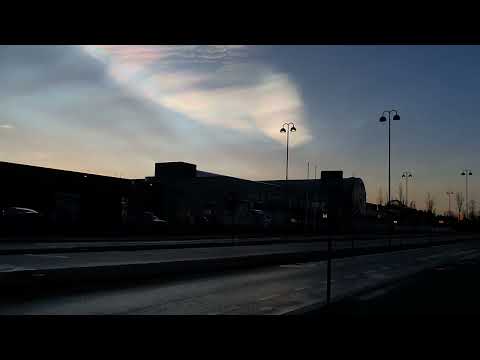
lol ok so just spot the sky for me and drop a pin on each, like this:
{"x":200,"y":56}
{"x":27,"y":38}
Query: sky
{"x":116,"y":110}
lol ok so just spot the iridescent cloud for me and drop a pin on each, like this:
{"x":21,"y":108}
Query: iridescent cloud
{"x":216,"y":85}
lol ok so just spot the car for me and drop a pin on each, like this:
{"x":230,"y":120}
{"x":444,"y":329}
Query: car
{"x":19,"y":211}
{"x":20,"y":220}
{"x":152,"y":219}
{"x":260,"y":218}
{"x":146,"y":221}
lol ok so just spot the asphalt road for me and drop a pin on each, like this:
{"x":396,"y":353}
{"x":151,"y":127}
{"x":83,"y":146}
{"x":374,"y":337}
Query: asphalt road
{"x":273,"y":290}
{"x":68,"y":260}
{"x":9,"y":246}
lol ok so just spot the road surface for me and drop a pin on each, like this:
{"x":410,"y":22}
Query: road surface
{"x":67,"y":260}
{"x":280,"y":289}
{"x":9,"y":246}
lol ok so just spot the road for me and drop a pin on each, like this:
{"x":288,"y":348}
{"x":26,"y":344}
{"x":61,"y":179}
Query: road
{"x":67,"y":260}
{"x":9,"y":246}
{"x":279,"y":289}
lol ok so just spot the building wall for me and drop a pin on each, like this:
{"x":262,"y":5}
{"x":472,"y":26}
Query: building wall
{"x":180,"y":195}
{"x":65,"y":198}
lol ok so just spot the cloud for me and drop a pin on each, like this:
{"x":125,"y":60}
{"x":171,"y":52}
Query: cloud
{"x":6,"y":126}
{"x":213,"y":85}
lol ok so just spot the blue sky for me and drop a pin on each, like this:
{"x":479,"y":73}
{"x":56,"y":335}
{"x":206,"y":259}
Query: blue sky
{"x":116,"y":110}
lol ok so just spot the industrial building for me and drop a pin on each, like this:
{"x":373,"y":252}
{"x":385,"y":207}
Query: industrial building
{"x":66,"y":199}
{"x":183,"y":196}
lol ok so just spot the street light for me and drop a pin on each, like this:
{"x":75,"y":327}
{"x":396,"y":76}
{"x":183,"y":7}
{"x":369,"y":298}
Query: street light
{"x":466,"y":173}
{"x":288,"y":130}
{"x":406,"y":175}
{"x":449,"y":194}
{"x":383,"y":118}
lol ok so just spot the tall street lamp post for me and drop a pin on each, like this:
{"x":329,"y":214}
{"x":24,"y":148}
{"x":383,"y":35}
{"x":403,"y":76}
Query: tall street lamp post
{"x":383,"y":118}
{"x":290,"y":128}
{"x":287,"y":128}
{"x":406,"y":175}
{"x":466,"y":173}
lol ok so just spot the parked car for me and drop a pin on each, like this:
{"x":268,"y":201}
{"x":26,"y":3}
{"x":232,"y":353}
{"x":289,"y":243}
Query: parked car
{"x":147,"y":222}
{"x":260,"y":218}
{"x":151,"y":219}
{"x":20,"y":220}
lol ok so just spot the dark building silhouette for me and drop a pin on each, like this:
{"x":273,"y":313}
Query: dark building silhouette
{"x":66,"y":199}
{"x":331,"y":200}
{"x":182,"y":195}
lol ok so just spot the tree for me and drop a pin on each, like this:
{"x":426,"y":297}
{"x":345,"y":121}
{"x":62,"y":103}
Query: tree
{"x":400,"y":194}
{"x":380,"y":198}
{"x":459,"y":199}
{"x":430,"y":204}
{"x":472,"y":209}
{"x":413,"y":205}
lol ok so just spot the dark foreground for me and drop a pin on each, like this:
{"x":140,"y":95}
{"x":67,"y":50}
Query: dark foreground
{"x":288,"y":288}
{"x":450,"y":289}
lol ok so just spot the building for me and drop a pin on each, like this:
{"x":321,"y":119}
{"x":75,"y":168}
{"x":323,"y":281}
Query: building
{"x":331,"y":200}
{"x":184,"y":196}
{"x":67,"y":199}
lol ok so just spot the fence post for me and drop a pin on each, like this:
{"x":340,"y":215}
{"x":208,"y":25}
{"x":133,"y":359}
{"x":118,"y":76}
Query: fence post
{"x":329,"y":269}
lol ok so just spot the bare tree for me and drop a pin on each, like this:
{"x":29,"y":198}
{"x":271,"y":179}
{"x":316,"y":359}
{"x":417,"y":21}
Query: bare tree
{"x":430,"y":204}
{"x":472,"y":209}
{"x":380,"y":198}
{"x":459,"y":199}
{"x":400,"y":194}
